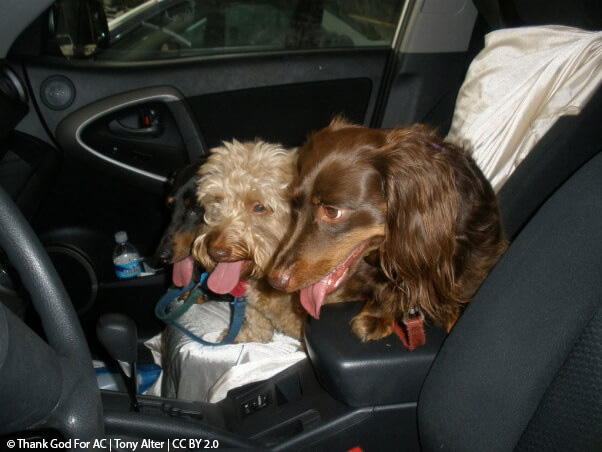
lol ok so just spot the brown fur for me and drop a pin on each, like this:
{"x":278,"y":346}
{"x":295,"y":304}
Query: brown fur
{"x":418,"y":210}
{"x":182,"y":243}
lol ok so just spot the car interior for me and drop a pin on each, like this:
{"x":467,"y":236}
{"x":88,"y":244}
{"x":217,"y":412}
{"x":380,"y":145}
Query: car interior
{"x":520,"y":370}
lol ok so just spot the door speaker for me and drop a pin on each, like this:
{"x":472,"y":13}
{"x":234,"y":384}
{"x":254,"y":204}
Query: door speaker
{"x":57,"y":92}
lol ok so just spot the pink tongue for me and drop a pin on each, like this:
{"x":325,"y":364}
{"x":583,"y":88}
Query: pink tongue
{"x":182,"y":272}
{"x":225,"y":277}
{"x":312,"y":297}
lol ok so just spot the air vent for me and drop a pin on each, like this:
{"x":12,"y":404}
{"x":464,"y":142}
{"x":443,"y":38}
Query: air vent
{"x":11,"y":86}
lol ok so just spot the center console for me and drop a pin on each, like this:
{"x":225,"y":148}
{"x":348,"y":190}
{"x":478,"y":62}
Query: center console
{"x":347,"y":394}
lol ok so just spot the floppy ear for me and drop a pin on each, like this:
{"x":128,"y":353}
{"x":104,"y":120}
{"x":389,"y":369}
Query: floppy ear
{"x":337,"y":123}
{"x":422,"y":207}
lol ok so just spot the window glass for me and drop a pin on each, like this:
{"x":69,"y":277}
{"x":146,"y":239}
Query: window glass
{"x":159,"y":29}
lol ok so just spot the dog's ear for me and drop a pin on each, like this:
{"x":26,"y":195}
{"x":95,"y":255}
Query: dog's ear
{"x":422,"y":207}
{"x":339,"y":122}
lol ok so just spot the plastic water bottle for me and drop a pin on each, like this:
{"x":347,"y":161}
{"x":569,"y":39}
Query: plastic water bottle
{"x":125,"y":257}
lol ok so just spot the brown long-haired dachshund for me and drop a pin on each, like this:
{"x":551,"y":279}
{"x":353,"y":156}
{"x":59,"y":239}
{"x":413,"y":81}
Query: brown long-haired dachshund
{"x":397,"y":217}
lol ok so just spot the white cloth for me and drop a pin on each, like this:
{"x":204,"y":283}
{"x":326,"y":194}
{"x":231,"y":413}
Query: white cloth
{"x":517,"y":87}
{"x":193,"y":371}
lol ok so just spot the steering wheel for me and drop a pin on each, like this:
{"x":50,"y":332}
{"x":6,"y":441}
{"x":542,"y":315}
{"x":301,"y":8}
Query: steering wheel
{"x":43,"y":385}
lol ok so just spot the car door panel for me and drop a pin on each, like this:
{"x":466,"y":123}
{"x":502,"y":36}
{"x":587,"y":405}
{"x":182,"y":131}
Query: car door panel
{"x":193,"y":79}
{"x":277,"y":98}
{"x":287,"y":113}
{"x":106,"y":134}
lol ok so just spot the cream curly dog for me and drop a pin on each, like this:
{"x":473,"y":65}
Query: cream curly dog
{"x":245,"y":190}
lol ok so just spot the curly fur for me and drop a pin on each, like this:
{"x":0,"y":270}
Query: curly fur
{"x":419,"y":226}
{"x":237,"y":178}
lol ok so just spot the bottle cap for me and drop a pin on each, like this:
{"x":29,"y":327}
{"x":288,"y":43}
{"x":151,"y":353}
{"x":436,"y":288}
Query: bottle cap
{"x":121,"y":236}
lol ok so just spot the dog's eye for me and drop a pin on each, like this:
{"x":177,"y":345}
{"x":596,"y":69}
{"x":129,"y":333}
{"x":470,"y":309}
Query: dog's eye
{"x":259,"y":209}
{"x":332,"y":213}
{"x":215,"y":200}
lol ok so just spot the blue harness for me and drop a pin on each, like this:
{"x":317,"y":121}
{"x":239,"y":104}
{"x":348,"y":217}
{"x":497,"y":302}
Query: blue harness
{"x":198,"y":290}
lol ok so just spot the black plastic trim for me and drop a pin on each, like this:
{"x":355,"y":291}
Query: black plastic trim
{"x":360,"y":374}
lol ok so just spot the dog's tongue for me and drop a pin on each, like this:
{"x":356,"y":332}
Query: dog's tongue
{"x":312,"y":297}
{"x":182,"y":272}
{"x":224,"y":278}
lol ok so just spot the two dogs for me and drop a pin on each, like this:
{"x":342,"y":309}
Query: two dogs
{"x":396,"y":217}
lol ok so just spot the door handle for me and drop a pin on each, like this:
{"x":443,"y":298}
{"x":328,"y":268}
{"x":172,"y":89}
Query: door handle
{"x":135,"y":132}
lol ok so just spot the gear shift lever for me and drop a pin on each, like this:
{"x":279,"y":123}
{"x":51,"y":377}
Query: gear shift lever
{"x":119,"y":336}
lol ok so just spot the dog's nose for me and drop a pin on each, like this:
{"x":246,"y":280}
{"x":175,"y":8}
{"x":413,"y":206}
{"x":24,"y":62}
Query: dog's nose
{"x":219,"y":253}
{"x":279,"y":280}
{"x":162,"y":257}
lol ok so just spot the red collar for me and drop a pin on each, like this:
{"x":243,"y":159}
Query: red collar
{"x":411,"y":330}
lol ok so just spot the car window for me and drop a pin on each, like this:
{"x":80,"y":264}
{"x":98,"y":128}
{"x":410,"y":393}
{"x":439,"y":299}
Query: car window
{"x":162,"y":29}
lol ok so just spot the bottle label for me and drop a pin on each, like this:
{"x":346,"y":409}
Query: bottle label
{"x":125,"y":271}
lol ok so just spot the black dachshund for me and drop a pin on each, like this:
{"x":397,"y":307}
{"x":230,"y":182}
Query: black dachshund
{"x":186,"y":224}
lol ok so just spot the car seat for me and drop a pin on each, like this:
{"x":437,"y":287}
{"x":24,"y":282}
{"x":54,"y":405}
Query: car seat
{"x":523,"y":366}
{"x":573,"y":140}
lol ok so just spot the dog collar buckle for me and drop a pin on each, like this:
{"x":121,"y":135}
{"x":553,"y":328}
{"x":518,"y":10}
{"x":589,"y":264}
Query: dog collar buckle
{"x":413,"y":314}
